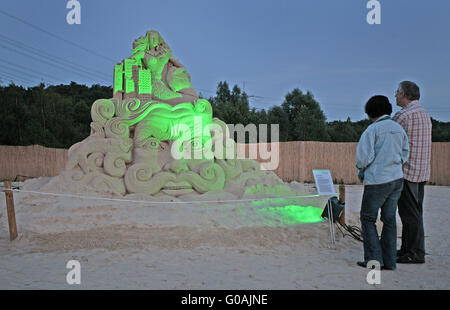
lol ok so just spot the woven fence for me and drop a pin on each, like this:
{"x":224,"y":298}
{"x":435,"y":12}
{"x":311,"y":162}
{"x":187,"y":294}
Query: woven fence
{"x":296,"y":161}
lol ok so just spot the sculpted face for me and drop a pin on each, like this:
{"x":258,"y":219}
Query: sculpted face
{"x":154,"y":39}
{"x":157,"y":53}
{"x":168,"y":154}
{"x":186,"y":172}
{"x":156,"y":169}
{"x":152,"y":73}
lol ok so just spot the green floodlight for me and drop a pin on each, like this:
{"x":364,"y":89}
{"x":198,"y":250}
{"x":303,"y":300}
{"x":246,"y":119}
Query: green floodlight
{"x":293,"y":214}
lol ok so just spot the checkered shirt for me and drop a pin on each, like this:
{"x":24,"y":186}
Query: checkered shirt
{"x":416,"y":122}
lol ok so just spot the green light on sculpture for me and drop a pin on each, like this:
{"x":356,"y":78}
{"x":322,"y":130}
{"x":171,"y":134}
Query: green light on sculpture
{"x":153,"y":72}
{"x":179,"y":79}
{"x":293,"y":214}
{"x":161,"y":120}
{"x":145,"y":83}
{"x":157,"y":137}
{"x":118,"y":77}
{"x":129,"y":83}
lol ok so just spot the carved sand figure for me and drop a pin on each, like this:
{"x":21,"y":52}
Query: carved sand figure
{"x":155,"y":110}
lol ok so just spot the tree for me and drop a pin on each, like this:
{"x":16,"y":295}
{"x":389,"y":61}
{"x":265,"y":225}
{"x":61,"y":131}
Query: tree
{"x":307,"y":121}
{"x":441,"y":131}
{"x":342,"y":131}
{"x":53,"y":116}
{"x":278,"y":116}
{"x":59,"y":115}
{"x":232,"y":107}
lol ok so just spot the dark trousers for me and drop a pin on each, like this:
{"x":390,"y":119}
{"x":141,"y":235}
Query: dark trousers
{"x":384,"y":197}
{"x":410,"y":209}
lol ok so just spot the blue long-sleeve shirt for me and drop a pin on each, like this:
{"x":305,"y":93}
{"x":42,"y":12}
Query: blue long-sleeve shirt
{"x":382,"y":150}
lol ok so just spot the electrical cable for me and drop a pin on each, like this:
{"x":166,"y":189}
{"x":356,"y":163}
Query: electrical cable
{"x":14,"y":65}
{"x":21,"y":71}
{"x":52,"y":63}
{"x":56,"y":36}
{"x":4,"y":79}
{"x":353,"y":231}
{"x":51,"y":57}
{"x":14,"y":77}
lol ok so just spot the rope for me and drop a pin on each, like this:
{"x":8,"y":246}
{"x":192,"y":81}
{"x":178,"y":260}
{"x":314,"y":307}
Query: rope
{"x":151,"y":202}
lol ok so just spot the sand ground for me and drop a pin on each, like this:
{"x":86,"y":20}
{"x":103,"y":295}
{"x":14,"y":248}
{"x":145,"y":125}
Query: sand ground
{"x":125,"y":245}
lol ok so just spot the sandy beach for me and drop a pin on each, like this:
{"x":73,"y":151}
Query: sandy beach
{"x":209,"y":245}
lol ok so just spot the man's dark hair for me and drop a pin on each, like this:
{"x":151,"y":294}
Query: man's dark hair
{"x":410,"y":90}
{"x":377,"y":106}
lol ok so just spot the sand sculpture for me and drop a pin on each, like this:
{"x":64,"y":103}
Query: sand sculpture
{"x":133,"y":135}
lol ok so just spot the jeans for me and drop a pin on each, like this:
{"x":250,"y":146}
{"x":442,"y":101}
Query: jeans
{"x":384,"y":197}
{"x":410,"y":209}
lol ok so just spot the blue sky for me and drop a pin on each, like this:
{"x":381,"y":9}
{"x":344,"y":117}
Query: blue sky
{"x":271,"y":47}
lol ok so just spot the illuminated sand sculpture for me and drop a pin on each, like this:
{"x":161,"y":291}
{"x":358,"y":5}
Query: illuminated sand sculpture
{"x":155,"y":107}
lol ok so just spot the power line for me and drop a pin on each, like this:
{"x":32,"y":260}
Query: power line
{"x":21,"y":72}
{"x":4,"y":79}
{"x":46,"y":55}
{"x":29,"y":70}
{"x":205,"y":90}
{"x":53,"y":64}
{"x":53,"y":61}
{"x":14,"y":77}
{"x":323,"y":106}
{"x":57,"y":36}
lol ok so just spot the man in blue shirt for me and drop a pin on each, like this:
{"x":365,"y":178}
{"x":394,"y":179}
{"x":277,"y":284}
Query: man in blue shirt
{"x":382,"y":150}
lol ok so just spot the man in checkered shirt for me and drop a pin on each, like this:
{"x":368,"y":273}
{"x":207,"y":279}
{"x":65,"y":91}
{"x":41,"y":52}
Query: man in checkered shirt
{"x":416,"y":122}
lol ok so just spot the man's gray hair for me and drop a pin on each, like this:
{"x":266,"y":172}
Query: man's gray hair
{"x":410,"y":90}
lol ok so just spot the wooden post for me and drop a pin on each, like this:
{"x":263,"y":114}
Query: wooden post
{"x":342,"y":199}
{"x":10,"y":210}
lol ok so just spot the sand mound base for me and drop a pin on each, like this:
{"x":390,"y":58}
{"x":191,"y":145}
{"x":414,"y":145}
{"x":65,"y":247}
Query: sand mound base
{"x":59,"y":223}
{"x":209,"y":246}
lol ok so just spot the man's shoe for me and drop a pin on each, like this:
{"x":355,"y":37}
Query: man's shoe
{"x":400,"y":253}
{"x":407,"y":259}
{"x":362,"y":264}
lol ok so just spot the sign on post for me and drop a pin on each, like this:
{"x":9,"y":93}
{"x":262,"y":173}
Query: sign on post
{"x":324,"y":183}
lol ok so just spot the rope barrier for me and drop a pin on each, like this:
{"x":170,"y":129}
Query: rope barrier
{"x":153,"y":202}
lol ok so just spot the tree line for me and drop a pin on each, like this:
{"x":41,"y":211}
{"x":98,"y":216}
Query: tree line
{"x":299,"y":116}
{"x":59,"y":115}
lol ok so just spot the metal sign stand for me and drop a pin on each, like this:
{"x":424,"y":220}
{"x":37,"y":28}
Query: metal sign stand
{"x":325,"y":187}
{"x":330,"y":222}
